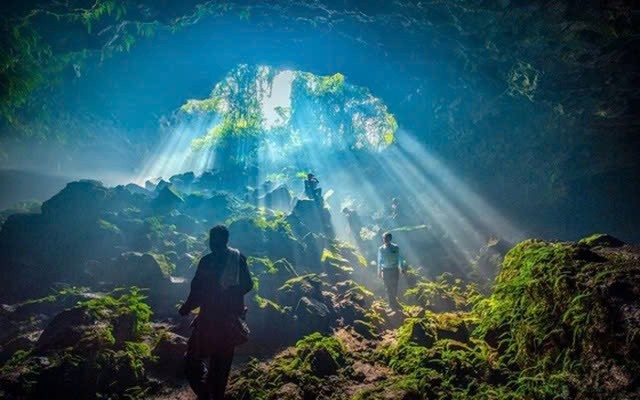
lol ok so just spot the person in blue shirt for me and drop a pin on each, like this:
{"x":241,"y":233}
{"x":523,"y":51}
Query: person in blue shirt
{"x":389,"y":267}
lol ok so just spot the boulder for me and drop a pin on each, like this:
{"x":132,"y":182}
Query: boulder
{"x":295,"y":288}
{"x":215,"y":209}
{"x":64,"y":330}
{"x":278,"y":199}
{"x":322,"y":363}
{"x":79,"y":200}
{"x":312,"y":315}
{"x":167,"y":199}
{"x":273,"y":240}
{"x":183,"y":181}
{"x":137,"y":189}
{"x":138,"y":269}
{"x":19,"y":343}
{"x":601,"y":240}
{"x":169,"y":352}
{"x":364,"y":329}
{"x":310,"y":216}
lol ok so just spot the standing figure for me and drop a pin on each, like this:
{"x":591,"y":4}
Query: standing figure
{"x":311,"y":188}
{"x":218,"y":288}
{"x":389,"y":267}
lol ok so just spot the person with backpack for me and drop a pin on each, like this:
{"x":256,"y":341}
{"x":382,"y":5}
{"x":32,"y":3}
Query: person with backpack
{"x":217,"y":289}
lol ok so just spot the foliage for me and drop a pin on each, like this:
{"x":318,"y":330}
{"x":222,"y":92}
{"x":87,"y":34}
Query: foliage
{"x":549,"y":313}
{"x":311,"y":278}
{"x":109,"y":308}
{"x":346,"y":116}
{"x":446,"y":293}
{"x":601,"y":239}
{"x":32,"y":62}
{"x":291,"y":366}
{"x":275,"y":221}
{"x":166,"y":266}
{"x":108,"y":368}
{"x":311,"y":344}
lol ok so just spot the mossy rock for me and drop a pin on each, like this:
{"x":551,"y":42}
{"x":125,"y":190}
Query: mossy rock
{"x":558,"y":311}
{"x":294,"y":289}
{"x":601,"y":240}
{"x":82,"y":352}
{"x":365,"y":329}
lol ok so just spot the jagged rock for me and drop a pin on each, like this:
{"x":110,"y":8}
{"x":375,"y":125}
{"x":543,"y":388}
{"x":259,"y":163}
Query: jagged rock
{"x":421,"y":336}
{"x":170,"y":352}
{"x":312,"y":315}
{"x":137,"y":189}
{"x":294,"y":289}
{"x":457,"y":332}
{"x":278,"y":199}
{"x":64,"y":330}
{"x":365,"y":329}
{"x":22,"y":342}
{"x":183,"y":181}
{"x":491,"y":257}
{"x":271,"y":327}
{"x":314,"y":244}
{"x":167,"y":199}
{"x":81,"y":200}
{"x":272,"y":241}
{"x":323,"y":363}
{"x":133,"y":268}
{"x":601,"y":240}
{"x":271,"y":279}
{"x":149,"y":185}
{"x":310,"y":216}
{"x":215,"y":209}
{"x":161,"y":185}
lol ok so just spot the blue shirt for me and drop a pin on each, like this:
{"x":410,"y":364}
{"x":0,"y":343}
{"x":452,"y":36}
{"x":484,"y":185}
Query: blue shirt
{"x":389,"y":257}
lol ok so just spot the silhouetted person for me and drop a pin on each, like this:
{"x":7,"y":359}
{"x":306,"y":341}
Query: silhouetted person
{"x":389,"y":267}
{"x":354,"y":221}
{"x":311,"y":188}
{"x":394,"y":210}
{"x":218,"y":288}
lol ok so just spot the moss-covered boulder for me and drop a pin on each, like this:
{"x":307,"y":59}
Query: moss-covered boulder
{"x":601,"y":240}
{"x":266,"y":235}
{"x":568,"y":315}
{"x":82,"y":352}
{"x":167,"y":199}
{"x":314,"y":368}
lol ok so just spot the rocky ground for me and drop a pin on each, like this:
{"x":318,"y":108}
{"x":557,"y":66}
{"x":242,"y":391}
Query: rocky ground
{"x":90,"y":285}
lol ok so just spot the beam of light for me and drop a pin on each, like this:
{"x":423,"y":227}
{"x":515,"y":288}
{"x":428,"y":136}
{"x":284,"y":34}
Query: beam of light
{"x":476,"y":207}
{"x":174,"y":154}
{"x":460,"y":219}
{"x":277,"y":98}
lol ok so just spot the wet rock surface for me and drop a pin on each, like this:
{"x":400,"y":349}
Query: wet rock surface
{"x":317,"y":315}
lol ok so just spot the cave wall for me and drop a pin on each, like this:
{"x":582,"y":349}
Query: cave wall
{"x":530,"y":102}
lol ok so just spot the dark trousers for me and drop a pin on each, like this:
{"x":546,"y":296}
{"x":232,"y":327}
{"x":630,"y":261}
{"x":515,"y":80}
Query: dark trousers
{"x":391,"y":277}
{"x":209,"y":383}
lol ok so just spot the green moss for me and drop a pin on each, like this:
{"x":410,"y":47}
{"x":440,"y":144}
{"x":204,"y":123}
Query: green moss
{"x":102,"y":366}
{"x":548,"y":313}
{"x":266,"y":303}
{"x":314,"y":342}
{"x":108,"y":226}
{"x":343,"y":254}
{"x":445,"y":293}
{"x":601,"y":239}
{"x":109,"y":308}
{"x":166,"y":266}
{"x":275,"y":221}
